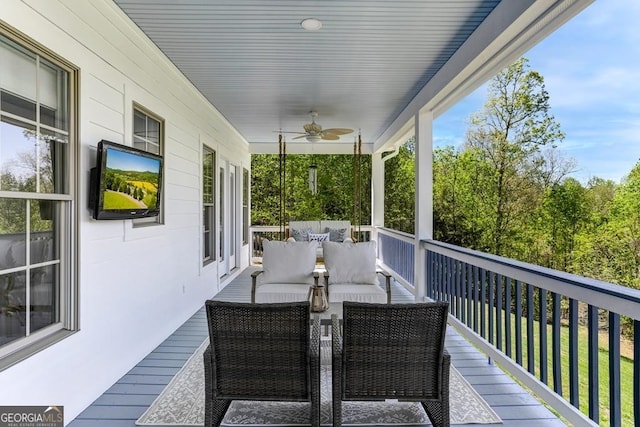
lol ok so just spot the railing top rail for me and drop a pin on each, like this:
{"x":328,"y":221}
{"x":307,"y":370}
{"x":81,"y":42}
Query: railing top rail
{"x":616,"y":298}
{"x":398,"y":234}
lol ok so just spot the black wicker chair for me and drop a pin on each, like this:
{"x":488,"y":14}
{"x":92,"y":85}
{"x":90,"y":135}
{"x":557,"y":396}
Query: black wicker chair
{"x":261,"y":352}
{"x":393,"y":351}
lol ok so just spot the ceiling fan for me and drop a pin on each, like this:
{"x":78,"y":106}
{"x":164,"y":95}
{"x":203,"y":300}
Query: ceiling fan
{"x":313,"y":132}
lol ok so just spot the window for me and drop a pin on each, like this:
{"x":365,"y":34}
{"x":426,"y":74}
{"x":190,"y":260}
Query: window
{"x":148,"y":135}
{"x":208,"y":205}
{"x":245,"y":206}
{"x":37,"y":145}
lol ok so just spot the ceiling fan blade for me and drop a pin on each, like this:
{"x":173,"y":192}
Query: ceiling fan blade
{"x":299,"y":137}
{"x":330,"y":136}
{"x":286,"y":131}
{"x":338,"y":131}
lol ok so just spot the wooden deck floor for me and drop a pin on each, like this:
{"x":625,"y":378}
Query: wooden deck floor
{"x":125,"y":401}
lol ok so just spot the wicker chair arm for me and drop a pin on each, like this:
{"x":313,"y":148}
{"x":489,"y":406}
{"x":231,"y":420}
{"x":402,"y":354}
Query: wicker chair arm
{"x":336,"y":369}
{"x":254,"y":277}
{"x":387,"y":283}
{"x":314,"y":363}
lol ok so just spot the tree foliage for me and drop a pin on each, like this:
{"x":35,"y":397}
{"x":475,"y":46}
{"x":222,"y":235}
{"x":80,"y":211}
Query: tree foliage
{"x":335,"y":197}
{"x":399,"y":195}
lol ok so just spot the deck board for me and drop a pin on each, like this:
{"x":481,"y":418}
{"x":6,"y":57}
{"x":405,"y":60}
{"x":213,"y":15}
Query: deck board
{"x":125,"y":401}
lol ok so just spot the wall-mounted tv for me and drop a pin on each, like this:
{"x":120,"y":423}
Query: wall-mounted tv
{"x":126,"y":182}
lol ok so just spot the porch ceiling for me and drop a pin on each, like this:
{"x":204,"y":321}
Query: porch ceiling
{"x":252,"y":60}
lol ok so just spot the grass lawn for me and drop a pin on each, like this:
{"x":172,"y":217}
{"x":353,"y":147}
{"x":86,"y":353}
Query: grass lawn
{"x":626,"y":367}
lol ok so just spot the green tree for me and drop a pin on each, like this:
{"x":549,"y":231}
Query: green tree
{"x":565,"y":212}
{"x":399,"y":189}
{"x":508,"y":134}
{"x":335,"y":197}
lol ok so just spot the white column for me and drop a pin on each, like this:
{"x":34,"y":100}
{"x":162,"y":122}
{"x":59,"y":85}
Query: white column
{"x":377,"y":193}
{"x":424,"y":196}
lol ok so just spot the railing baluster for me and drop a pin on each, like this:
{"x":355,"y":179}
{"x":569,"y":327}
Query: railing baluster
{"x":443,"y":278}
{"x":469,"y":298}
{"x":491,"y":305}
{"x":449,"y":290}
{"x":456,"y":287}
{"x":507,"y":316}
{"x":615,"y":406}
{"x":531,"y":367}
{"x":499,"y":311}
{"x":555,"y":342}
{"x":544,"y":372}
{"x":476,"y":298}
{"x":574,"y":391}
{"x":483,"y":308}
{"x":636,"y":372}
{"x":518,"y":320}
{"x":594,"y":384}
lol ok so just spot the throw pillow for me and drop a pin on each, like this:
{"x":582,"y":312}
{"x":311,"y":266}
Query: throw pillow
{"x":288,"y":262}
{"x":350,"y":262}
{"x":300,"y":235}
{"x":319,"y":238}
{"x":336,"y":234}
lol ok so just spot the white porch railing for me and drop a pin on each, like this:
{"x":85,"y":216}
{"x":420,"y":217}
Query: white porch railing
{"x":524,"y":317}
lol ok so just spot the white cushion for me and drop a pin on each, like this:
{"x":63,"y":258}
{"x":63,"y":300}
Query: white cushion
{"x":288,"y":262}
{"x":282,"y":292}
{"x":350,"y":262}
{"x":341,"y":292}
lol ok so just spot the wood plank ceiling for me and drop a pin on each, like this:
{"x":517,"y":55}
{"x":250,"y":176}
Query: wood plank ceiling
{"x":253,"y":61}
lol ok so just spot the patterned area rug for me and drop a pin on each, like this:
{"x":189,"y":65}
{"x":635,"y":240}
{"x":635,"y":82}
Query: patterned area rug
{"x":181,"y":403}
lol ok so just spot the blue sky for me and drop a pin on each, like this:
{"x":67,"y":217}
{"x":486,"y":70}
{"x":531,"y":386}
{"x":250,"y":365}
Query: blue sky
{"x":591,"y":67}
{"x":122,"y":160}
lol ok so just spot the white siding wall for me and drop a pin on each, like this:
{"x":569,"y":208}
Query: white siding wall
{"x":136,"y":284}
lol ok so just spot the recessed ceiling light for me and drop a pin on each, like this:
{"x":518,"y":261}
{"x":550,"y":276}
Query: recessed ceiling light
{"x":311,"y":24}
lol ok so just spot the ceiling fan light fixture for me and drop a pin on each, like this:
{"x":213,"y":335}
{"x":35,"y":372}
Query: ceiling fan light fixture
{"x":314,"y":138}
{"x":311,"y":24}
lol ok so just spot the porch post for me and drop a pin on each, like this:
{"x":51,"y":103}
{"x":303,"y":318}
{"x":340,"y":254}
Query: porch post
{"x":424,"y":197}
{"x":377,"y":193}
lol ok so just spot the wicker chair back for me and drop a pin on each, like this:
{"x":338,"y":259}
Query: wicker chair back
{"x":260,"y":352}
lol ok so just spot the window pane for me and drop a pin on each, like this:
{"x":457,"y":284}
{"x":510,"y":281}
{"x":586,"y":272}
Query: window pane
{"x":44,"y":300}
{"x":13,"y":235}
{"x":13,"y":299}
{"x":18,"y":148}
{"x":18,"y":71}
{"x":42,"y":247}
{"x":153,"y":131}
{"x":54,"y":161}
{"x":139,"y":125}
{"x":52,"y":85}
{"x":29,"y":162}
{"x":12,"y":104}
{"x":207,"y":177}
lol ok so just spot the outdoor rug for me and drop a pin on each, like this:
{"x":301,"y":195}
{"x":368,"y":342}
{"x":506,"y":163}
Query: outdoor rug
{"x":181,"y":403}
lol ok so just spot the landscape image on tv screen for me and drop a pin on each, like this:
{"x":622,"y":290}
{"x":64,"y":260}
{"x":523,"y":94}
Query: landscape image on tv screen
{"x":130,"y":181}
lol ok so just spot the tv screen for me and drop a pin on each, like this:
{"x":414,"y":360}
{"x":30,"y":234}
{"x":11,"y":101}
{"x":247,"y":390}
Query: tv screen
{"x":126,"y":182}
